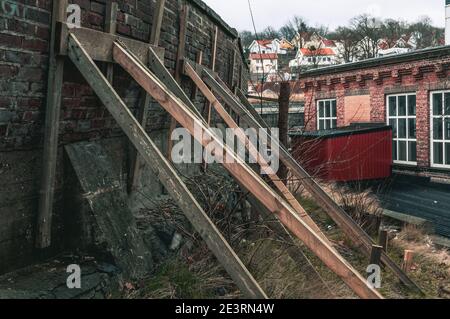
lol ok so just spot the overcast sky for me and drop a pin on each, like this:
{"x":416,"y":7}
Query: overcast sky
{"x":327,"y":12}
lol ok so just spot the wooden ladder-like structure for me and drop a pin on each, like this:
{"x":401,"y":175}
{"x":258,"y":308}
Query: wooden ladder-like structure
{"x":143,"y":63}
{"x":187,"y":117}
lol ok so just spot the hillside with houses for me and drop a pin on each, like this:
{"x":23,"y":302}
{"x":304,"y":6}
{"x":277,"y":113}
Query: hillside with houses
{"x":296,"y":47}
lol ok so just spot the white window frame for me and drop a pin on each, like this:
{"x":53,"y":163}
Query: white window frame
{"x":432,"y":140}
{"x":325,"y":118}
{"x":406,"y":117}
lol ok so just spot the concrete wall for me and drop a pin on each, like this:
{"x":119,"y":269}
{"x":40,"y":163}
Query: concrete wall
{"x":24,"y":46}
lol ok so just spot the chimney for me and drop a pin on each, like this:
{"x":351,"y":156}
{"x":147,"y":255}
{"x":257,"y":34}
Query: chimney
{"x":447,"y":22}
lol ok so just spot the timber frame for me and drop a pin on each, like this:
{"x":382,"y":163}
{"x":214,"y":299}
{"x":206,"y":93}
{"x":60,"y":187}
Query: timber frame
{"x":143,"y":62}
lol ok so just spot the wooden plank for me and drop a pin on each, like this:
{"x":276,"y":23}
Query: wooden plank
{"x":375,"y":257}
{"x":383,"y":239}
{"x":110,"y":27}
{"x":157,"y":22}
{"x":136,"y":161}
{"x":244,"y":174}
{"x":339,"y":216}
{"x":253,"y":151}
{"x":165,"y":172}
{"x":103,"y":191}
{"x":51,"y":131}
{"x":213,"y":67}
{"x":178,"y":66}
{"x":99,"y":44}
{"x":199,"y":61}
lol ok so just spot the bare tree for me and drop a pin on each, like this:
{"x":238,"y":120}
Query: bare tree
{"x":367,"y":30}
{"x":348,"y":42}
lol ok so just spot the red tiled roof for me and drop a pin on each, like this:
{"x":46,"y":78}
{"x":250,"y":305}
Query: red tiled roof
{"x":263,"y":56}
{"x":264,"y":43}
{"x":319,"y":52}
{"x":328,"y":43}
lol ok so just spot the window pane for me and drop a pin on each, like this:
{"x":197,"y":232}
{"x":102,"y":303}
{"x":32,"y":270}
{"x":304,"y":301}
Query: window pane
{"x":412,"y":152}
{"x":402,"y":128}
{"x":334,"y":123}
{"x":411,"y":128}
{"x":437,"y":129}
{"x":394,"y":150}
{"x":438,"y":153}
{"x":327,"y":109}
{"x":327,"y":124}
{"x":321,"y":124}
{"x":447,"y":129}
{"x":437,"y":104}
{"x":321,"y":109}
{"x":333,"y":108}
{"x":392,"y":106}
{"x":393,"y":123}
{"x":447,"y":104}
{"x":411,"y":105}
{"x":402,"y":151}
{"x":447,"y":154}
{"x":402,"y":105}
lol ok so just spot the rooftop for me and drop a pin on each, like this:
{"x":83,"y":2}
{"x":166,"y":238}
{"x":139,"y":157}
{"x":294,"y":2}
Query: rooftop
{"x":430,"y":53}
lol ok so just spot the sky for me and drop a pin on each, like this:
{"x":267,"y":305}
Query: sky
{"x":276,"y":13}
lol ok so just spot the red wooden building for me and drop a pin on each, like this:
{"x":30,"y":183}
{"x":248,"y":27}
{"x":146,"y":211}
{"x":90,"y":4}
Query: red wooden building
{"x":351,"y":153}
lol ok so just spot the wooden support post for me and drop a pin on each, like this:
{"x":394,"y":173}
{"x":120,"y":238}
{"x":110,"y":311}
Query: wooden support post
{"x":283,"y":122}
{"x":243,"y":173}
{"x":165,"y":172}
{"x":383,"y":239}
{"x":178,"y":66}
{"x":375,"y":257}
{"x":252,"y":149}
{"x":194,"y":88}
{"x":213,"y":67}
{"x":157,"y":22}
{"x":136,"y":162}
{"x":232,"y":67}
{"x":51,"y":131}
{"x":110,"y":27}
{"x":353,"y":231}
{"x":408,"y":260}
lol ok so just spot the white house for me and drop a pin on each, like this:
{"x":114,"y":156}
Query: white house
{"x":263,"y":64}
{"x":267,"y":46}
{"x":313,"y":58}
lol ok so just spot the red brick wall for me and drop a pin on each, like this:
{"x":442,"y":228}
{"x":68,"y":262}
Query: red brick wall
{"x":421,"y":76}
{"x":24,"y":45}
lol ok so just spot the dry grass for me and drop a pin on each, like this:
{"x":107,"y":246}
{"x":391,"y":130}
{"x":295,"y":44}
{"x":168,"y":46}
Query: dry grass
{"x":194,"y":273}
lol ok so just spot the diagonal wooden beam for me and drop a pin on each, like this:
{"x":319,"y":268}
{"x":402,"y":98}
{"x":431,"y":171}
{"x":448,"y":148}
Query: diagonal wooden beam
{"x":164,"y":170}
{"x":353,"y":231}
{"x":282,"y":188}
{"x":52,"y":112}
{"x":244,"y":174}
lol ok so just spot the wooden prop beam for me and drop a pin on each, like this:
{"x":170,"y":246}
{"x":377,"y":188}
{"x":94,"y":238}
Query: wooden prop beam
{"x":157,"y":22}
{"x":253,"y":151}
{"x":244,"y":174}
{"x":99,"y":44}
{"x":52,"y":113}
{"x":164,"y":170}
{"x":136,"y":162}
{"x":339,"y":216}
{"x":178,"y":65}
{"x":110,"y":27}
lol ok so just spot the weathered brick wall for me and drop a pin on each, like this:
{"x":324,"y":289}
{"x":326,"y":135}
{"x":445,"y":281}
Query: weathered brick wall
{"x":24,"y":46}
{"x":420,"y":76}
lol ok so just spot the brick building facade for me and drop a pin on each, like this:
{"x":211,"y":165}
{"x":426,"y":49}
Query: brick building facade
{"x":24,"y":47}
{"x":411,"y":92}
